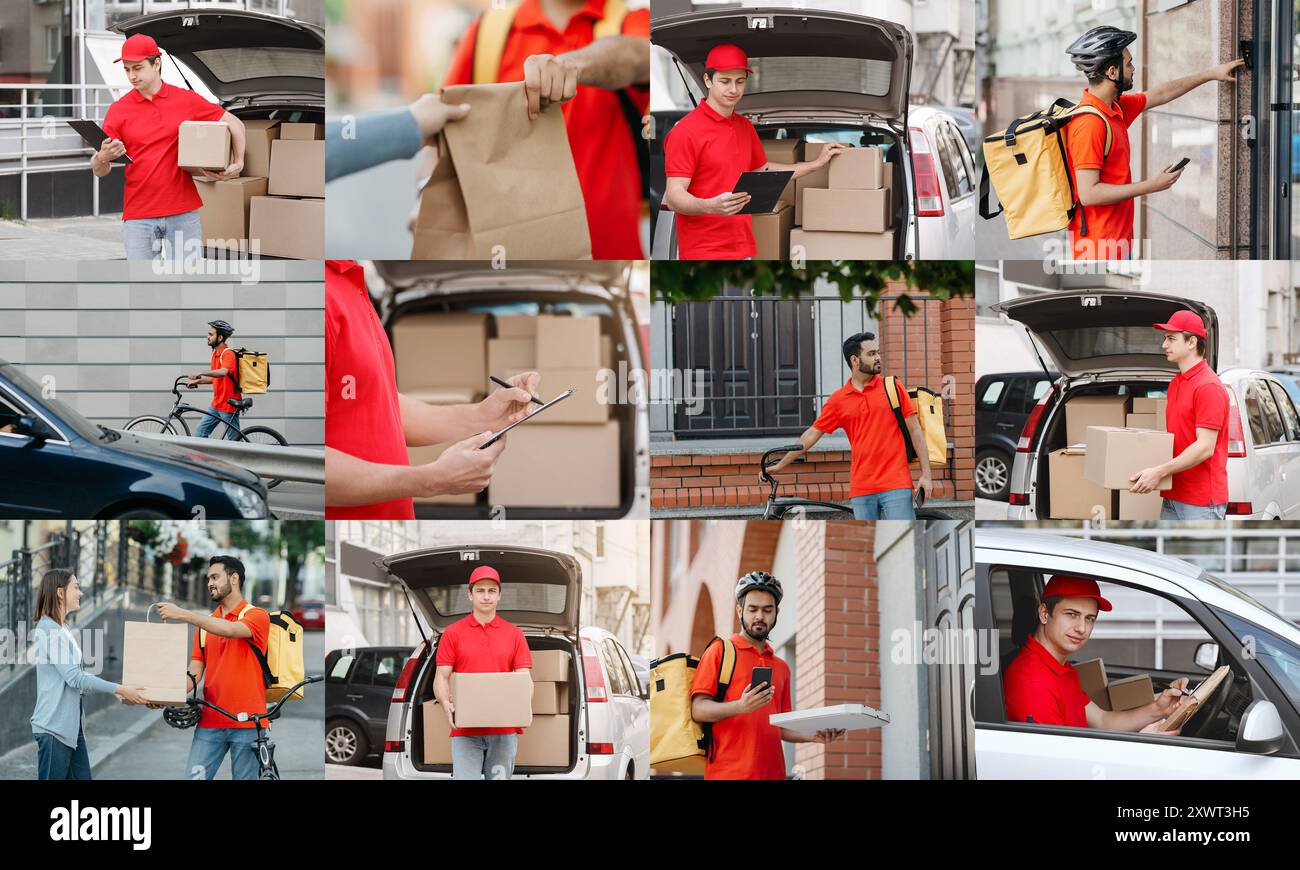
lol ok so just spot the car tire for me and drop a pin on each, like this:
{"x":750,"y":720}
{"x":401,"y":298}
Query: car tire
{"x":142,"y":514}
{"x":345,"y":743}
{"x":992,"y":475}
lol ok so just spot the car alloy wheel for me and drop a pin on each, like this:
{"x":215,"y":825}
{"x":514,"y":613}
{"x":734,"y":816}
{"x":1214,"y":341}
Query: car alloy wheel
{"x":992,"y":475}
{"x":341,"y":745}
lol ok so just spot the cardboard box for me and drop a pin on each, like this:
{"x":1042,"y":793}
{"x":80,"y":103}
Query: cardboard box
{"x":425,"y":455}
{"x":1139,"y":421}
{"x":1071,"y":496}
{"x":784,"y":151}
{"x":286,"y":227}
{"x":297,"y":167}
{"x":889,"y":179}
{"x":258,"y":136}
{"x":550,"y":699}
{"x":568,"y":342}
{"x":823,"y":245}
{"x":772,"y":232}
{"x":437,"y":734}
{"x":1115,"y":454}
{"x":545,"y":743}
{"x":1130,"y":693}
{"x":203,"y":145}
{"x":223,"y":217}
{"x":300,"y":130}
{"x":1151,"y":405}
{"x":154,"y":658}
{"x":857,"y":211}
{"x":1084,"y":411}
{"x":492,"y":700}
{"x":550,"y":665}
{"x":1092,"y":678}
{"x":857,"y":169}
{"x":516,"y":326}
{"x":559,"y":466}
{"x":508,"y":356}
{"x":582,"y":407}
{"x":441,"y":350}
{"x":816,"y":178}
{"x":1133,"y":506}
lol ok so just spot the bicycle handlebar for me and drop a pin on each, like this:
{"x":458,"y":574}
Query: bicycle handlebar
{"x":765,"y":461}
{"x":269,"y":716}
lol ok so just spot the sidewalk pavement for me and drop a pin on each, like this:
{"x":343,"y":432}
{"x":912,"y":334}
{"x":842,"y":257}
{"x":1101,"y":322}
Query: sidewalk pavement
{"x":343,"y":771}
{"x":71,"y":238}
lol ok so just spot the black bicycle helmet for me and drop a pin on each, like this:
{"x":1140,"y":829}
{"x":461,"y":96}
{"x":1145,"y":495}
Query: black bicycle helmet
{"x":222,"y":327}
{"x":1099,"y":48}
{"x":760,"y":580}
{"x":184,"y":716}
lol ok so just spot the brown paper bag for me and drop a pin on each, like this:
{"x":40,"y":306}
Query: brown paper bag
{"x":154,"y":658}
{"x":502,"y":180}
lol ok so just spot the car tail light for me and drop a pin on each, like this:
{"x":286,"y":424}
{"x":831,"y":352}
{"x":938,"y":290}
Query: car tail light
{"x":408,"y":673}
{"x":600,"y":748}
{"x":592,"y":673}
{"x":929,"y":199}
{"x":394,"y":745}
{"x":1018,"y":498}
{"x":1236,"y":439}
{"x":1240,"y":508}
{"x":1026,"y":442}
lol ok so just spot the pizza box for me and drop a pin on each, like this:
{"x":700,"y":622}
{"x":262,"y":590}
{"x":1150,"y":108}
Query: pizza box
{"x":849,"y":717}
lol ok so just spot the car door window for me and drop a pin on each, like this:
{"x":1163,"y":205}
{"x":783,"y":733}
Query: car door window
{"x":339,"y":673}
{"x":1015,"y":403}
{"x":387,"y":666}
{"x":992,"y":393}
{"x":1287,"y":409}
{"x":364,"y":672}
{"x":9,"y":415}
{"x":1040,"y":390}
{"x":944,"y":150}
{"x":634,"y":682}
{"x":1272,"y":419}
{"x":613,"y":670}
{"x":1254,"y":413}
{"x":956,"y":147}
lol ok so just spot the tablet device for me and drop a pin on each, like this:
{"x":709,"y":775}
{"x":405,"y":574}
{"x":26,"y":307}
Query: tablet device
{"x":93,"y":135}
{"x":764,"y":189}
{"x":495,"y":435}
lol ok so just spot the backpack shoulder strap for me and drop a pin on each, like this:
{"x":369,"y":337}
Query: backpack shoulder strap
{"x":611,"y":21}
{"x":726,"y":667}
{"x":1095,"y":112}
{"x":490,"y":41}
{"x":203,"y":635}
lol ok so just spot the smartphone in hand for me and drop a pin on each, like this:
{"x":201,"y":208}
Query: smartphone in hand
{"x":760,"y":676}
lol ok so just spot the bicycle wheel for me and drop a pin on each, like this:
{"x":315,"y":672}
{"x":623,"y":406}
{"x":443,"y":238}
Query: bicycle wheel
{"x":150,"y":425}
{"x":267,"y":436}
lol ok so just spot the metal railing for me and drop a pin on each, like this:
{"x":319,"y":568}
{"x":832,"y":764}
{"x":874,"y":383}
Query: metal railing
{"x":271,"y":462}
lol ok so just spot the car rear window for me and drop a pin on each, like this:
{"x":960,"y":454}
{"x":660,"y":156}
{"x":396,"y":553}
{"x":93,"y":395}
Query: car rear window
{"x":515,"y":595}
{"x":238,"y":64}
{"x":1288,"y":411}
{"x":1101,"y":341}
{"x":851,"y":75}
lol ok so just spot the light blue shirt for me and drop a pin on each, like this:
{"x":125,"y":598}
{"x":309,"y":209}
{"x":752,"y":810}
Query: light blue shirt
{"x":374,"y":138}
{"x":61,"y":680}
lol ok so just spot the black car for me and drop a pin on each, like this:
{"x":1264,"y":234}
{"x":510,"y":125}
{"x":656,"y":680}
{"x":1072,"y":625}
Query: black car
{"x":56,"y":463}
{"x":1002,"y":404}
{"x":359,"y":687}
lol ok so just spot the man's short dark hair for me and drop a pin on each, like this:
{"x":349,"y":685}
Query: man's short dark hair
{"x":231,"y":565}
{"x":1200,"y":342}
{"x":1117,"y":61}
{"x":853,"y":346}
{"x":1051,"y":601}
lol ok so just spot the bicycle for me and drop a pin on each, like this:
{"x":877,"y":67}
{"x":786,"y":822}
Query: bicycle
{"x":264,"y":746}
{"x":153,"y":424}
{"x":778,"y":506}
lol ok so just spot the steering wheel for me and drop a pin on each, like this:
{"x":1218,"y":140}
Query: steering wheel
{"x":1210,"y":710}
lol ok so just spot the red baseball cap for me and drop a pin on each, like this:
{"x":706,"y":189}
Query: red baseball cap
{"x":484,"y":572}
{"x":722,"y":57}
{"x":1068,"y":586}
{"x":1183,"y":321}
{"x":139,"y":47}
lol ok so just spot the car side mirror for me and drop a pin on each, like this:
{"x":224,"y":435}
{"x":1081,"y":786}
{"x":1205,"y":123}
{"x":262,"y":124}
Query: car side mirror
{"x":1207,"y":656}
{"x":1260,"y":732}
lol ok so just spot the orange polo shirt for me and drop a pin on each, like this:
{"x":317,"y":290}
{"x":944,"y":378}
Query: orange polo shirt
{"x":232,"y":675}
{"x":879,"y":452}
{"x":745,"y":746}
{"x":1110,"y":227}
{"x":224,"y":389}
{"x":603,"y":152}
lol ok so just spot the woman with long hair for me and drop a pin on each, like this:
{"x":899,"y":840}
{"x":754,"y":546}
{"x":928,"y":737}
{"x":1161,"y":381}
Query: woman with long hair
{"x":61,"y":680}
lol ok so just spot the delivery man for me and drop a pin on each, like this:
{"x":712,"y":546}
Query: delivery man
{"x":224,"y":379}
{"x":368,"y":424}
{"x":229,"y":670}
{"x":745,"y":744}
{"x":160,"y":205}
{"x":880,"y":481}
{"x":1041,"y":687}
{"x":1196,"y":411}
{"x":1104,"y":182}
{"x":481,"y":643}
{"x":705,"y":154}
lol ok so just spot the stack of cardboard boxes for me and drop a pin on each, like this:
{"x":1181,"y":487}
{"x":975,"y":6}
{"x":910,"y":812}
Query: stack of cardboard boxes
{"x":772,"y":230}
{"x":1108,"y":440}
{"x":1126,"y":694}
{"x":278,"y":200}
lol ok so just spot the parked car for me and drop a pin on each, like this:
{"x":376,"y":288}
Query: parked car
{"x":1248,"y":729}
{"x":810,"y":64}
{"x":1103,"y":344}
{"x":358,"y":692}
{"x":55,"y":463}
{"x":1002,"y":405}
{"x":966,"y":121}
{"x":947,"y":186}
{"x":610,"y":711}
{"x":310,"y":613}
{"x":1289,"y":378}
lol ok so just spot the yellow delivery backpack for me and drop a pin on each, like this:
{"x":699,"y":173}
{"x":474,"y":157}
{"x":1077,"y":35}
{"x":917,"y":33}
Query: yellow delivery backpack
{"x":254,"y":371}
{"x":1029,"y":169}
{"x":677,"y":742}
{"x":282,"y":666}
{"x":929,"y":414}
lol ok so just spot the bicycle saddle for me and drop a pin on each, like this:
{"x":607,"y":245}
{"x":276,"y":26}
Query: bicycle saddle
{"x":241,"y":404}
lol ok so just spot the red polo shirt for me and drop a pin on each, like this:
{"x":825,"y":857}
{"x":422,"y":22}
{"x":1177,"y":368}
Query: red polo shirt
{"x":879,"y":453}
{"x":1197,"y":398}
{"x":746,"y":746}
{"x":232,"y":675}
{"x":713,"y":151}
{"x":150,"y":129}
{"x":224,"y":389}
{"x":603,"y":150}
{"x":471,"y":647}
{"x":1110,"y":227}
{"x":1038,"y":688}
{"x":363,"y":417}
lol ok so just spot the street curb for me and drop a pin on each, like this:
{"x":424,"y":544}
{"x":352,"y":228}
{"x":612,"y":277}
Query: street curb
{"x":120,"y":740}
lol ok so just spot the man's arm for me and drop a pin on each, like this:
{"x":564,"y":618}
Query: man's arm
{"x":462,"y":468}
{"x":205,"y":622}
{"x":705,"y":709}
{"x":922,"y":453}
{"x":1160,"y":94}
{"x":1194,"y":454}
{"x":1139,"y":718}
{"x":425,"y":424}
{"x":810,"y":436}
{"x":1092,"y":191}
{"x":807,"y":166}
{"x":826,"y":735}
{"x":612,"y":63}
{"x":442,"y":691}
{"x":680,"y":200}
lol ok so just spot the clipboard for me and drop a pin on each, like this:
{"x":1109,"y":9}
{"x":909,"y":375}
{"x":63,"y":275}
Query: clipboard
{"x":93,"y":135}
{"x":1199,"y":696}
{"x":764,"y":189}
{"x":495,"y":435}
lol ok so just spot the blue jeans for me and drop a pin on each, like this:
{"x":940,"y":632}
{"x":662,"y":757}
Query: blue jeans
{"x":892,"y":504}
{"x":487,"y":756}
{"x":1181,"y":510}
{"x":209,"y":749}
{"x":171,"y":237}
{"x":54,"y":760}
{"x":230,"y":433}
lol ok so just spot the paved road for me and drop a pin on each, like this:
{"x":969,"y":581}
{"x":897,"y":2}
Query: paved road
{"x":341,"y":771}
{"x":988,"y":509}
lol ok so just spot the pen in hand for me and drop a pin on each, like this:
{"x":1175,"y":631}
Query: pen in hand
{"x":509,"y":386}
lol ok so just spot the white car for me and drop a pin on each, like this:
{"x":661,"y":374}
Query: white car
{"x":541,"y":594}
{"x":947,"y":189}
{"x":1102,"y":343}
{"x":1249,"y":728}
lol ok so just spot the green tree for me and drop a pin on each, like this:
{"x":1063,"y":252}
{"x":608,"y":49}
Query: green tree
{"x":294,"y":542}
